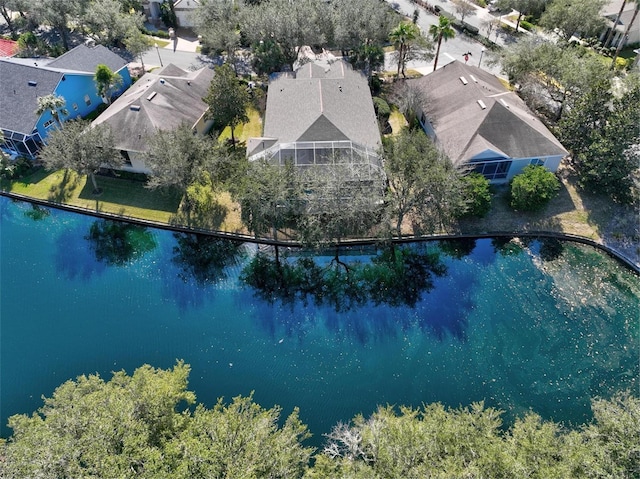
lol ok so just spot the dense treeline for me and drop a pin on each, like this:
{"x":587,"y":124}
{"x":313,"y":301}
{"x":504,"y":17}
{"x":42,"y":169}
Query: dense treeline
{"x":146,"y":425}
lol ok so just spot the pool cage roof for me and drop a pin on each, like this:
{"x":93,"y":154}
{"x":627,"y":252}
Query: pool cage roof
{"x":305,"y":154}
{"x":346,"y":168}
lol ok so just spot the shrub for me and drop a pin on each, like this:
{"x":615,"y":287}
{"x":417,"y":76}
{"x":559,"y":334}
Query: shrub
{"x":477,"y":195}
{"x":533,"y":188}
{"x":383,"y":111}
{"x":375,"y":83}
{"x":527,"y":26}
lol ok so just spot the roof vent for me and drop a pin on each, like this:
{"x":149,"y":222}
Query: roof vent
{"x":482,"y":105}
{"x":474,"y":78}
{"x":162,"y":81}
{"x":134,"y":107}
{"x":189,"y":82}
{"x":150,"y":97}
{"x":463,"y":80}
{"x":33,"y":83}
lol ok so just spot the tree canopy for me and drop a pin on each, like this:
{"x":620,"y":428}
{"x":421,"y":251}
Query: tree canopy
{"x":227,"y":99}
{"x":424,"y":187}
{"x":601,"y":132}
{"x":532,"y":189}
{"x":569,"y":17}
{"x":81,"y":148}
{"x":410,"y":44}
{"x":107,"y":82}
{"x":145,"y":425}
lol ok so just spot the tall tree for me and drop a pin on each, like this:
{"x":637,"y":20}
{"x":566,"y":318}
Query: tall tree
{"x":54,"y":104}
{"x":360,"y":23}
{"x":108,"y":23}
{"x":270,"y":197}
{"x":625,"y":35}
{"x":342,"y":198}
{"x":441,"y":31}
{"x":218,"y":23}
{"x":137,"y":44}
{"x":59,"y":14}
{"x":463,"y":8}
{"x":5,"y":10}
{"x":523,"y":7}
{"x":178,"y":158}
{"x":563,"y":74}
{"x":107,"y":82}
{"x":424,"y":188}
{"x":601,"y":132}
{"x":612,"y":31}
{"x":569,"y":17}
{"x":290,"y":24}
{"x":227,"y":99}
{"x":409,"y":43}
{"x":81,"y":148}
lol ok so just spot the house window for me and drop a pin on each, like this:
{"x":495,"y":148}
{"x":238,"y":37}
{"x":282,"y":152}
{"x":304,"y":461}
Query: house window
{"x":125,"y":155}
{"x":75,"y":106}
{"x":48,"y":123}
{"x":537,"y":162}
{"x":493,"y":170}
{"x":87,"y":100}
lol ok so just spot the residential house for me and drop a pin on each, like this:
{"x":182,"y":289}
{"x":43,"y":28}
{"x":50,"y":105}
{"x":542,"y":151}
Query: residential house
{"x":318,"y":114}
{"x":184,"y":10}
{"x":8,"y":48}
{"x":70,"y":76}
{"x":610,"y":13}
{"x":482,"y":125}
{"x":161,"y":100}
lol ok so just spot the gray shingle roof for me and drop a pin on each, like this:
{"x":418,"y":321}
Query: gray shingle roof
{"x":465,"y":129}
{"x":18,"y":99}
{"x":318,"y":104}
{"x":85,"y":59}
{"x":137,"y":114}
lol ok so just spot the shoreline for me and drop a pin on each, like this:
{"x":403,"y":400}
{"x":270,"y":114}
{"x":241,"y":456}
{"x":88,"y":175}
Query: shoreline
{"x":618,"y":255}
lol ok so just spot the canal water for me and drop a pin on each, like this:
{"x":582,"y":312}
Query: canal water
{"x":534,"y":325}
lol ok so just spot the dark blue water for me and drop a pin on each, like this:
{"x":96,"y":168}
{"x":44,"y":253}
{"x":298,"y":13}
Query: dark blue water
{"x":534,"y":326}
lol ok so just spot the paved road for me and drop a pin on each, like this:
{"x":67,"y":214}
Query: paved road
{"x":455,"y":48}
{"x":182,"y":59}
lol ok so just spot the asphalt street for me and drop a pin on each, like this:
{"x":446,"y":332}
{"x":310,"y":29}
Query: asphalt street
{"x":457,"y":47}
{"x":454,"y":49}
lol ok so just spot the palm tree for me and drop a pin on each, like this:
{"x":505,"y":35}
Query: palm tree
{"x":106,"y":82}
{"x":626,"y":35}
{"x":442,"y":30}
{"x":615,"y":23}
{"x":53,"y":103}
{"x":402,"y":36}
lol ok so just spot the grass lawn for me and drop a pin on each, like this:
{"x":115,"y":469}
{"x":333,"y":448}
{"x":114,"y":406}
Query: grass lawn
{"x":245,"y":131}
{"x":120,"y":196}
{"x":396,"y":120}
{"x":161,"y":43}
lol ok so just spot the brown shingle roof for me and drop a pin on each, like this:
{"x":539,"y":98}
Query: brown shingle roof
{"x":156,"y":102}
{"x":464,"y":129}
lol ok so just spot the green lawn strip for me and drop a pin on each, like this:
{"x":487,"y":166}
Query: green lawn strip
{"x":245,"y":131}
{"x":161,"y":43}
{"x":119,"y":196}
{"x":396,"y":120}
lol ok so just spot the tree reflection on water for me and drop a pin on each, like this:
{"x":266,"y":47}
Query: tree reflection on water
{"x":394,"y":277}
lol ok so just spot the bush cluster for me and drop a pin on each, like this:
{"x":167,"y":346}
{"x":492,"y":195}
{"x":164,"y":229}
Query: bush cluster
{"x":533,"y":188}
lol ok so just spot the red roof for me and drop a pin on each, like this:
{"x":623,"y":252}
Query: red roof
{"x":8,"y":48}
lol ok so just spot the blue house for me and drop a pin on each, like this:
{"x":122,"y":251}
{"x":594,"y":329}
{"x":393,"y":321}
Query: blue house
{"x":69,"y":76}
